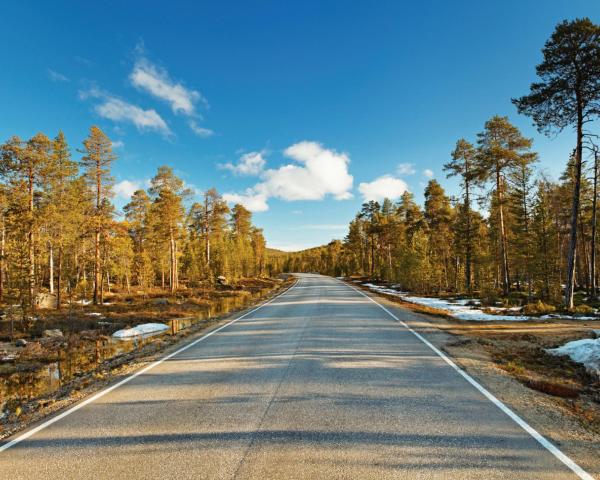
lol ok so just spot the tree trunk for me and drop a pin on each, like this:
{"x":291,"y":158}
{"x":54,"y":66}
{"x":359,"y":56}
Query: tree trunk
{"x":594,"y":221}
{"x":172,"y":252}
{"x":468,"y":253}
{"x":50,"y":268}
{"x":572,"y":255}
{"x":2,"y":248}
{"x":503,"y":243}
{"x":31,"y":246}
{"x":97,"y":277}
{"x":58,"y":277}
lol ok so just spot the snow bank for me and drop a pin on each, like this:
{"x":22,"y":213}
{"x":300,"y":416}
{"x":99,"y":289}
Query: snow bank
{"x":586,"y":352}
{"x":462,"y":311}
{"x":144,"y":330}
{"x":466,"y":308}
{"x":459,"y":309}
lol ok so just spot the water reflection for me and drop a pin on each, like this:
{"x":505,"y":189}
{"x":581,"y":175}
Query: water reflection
{"x":87,"y":355}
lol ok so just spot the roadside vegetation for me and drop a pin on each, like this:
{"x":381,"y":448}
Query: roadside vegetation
{"x":515,"y":243}
{"x":73,"y":269}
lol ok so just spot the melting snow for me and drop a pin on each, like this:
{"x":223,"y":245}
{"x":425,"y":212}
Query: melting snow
{"x":586,"y":352}
{"x":458,"y":309}
{"x":141,"y":331}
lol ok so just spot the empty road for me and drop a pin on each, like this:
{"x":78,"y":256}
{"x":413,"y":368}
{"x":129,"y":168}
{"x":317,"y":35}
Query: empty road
{"x":319,"y":383}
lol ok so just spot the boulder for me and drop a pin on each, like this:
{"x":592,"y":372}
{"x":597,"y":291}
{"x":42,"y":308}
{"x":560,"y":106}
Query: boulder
{"x":21,"y":342}
{"x":160,"y":301}
{"x":45,"y":300}
{"x":55,"y":333}
{"x":221,"y":280}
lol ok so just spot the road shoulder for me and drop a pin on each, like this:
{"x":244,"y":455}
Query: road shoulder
{"x":543,"y":412}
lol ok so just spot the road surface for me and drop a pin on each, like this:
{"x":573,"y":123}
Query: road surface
{"x":319,"y":383}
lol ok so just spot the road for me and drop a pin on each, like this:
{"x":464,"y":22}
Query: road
{"x":319,"y":383}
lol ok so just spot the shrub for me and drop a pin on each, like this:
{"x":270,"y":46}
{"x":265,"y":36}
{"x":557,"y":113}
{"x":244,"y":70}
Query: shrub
{"x":583,"y":309}
{"x":538,"y":308}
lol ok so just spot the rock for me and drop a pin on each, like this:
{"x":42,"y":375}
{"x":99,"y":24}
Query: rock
{"x":21,"y":342}
{"x":53,"y":333}
{"x":160,"y":301}
{"x":45,"y":300}
{"x":596,"y":333}
{"x":221,"y":280}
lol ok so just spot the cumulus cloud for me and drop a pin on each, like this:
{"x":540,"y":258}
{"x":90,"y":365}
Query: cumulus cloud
{"x":121,"y":111}
{"x":118,"y":144}
{"x":406,"y":169}
{"x":56,"y":76}
{"x":118,"y":110}
{"x":251,"y":163}
{"x":428,"y":173}
{"x":321,"y":172}
{"x":200,"y":131}
{"x":316,"y":173}
{"x":385,"y":186}
{"x":156,"y":81}
{"x":125,"y":188}
{"x":253,"y":201}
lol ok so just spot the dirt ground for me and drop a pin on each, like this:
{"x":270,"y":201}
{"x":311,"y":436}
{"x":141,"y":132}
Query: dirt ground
{"x":558,"y":397}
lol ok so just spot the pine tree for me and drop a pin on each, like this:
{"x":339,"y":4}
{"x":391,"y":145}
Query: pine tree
{"x":501,"y":149}
{"x":96,"y":163}
{"x":27,"y":165}
{"x":463,"y":165}
{"x":438,"y":217}
{"x":136,"y":215}
{"x":168,"y":214}
{"x":62,"y":210}
{"x":568,"y":93}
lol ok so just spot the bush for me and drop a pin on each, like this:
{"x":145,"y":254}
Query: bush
{"x":538,"y":308}
{"x":583,"y":309}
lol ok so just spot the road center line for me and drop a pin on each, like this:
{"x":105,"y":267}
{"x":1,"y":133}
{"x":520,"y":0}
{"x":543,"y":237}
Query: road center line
{"x":101,"y":393}
{"x":580,"y":472}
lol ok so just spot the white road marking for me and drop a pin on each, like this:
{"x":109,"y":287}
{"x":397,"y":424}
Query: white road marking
{"x":101,"y":393}
{"x":580,"y":472}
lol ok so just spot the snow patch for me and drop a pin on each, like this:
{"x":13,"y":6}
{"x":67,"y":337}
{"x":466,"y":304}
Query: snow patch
{"x":141,"y":331}
{"x":586,"y":352}
{"x":460,"y":309}
{"x":466,"y":308}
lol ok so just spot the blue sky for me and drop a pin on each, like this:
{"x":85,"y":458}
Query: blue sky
{"x":302,"y":110}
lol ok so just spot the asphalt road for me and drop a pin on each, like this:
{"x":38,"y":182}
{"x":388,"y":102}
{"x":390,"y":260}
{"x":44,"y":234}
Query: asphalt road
{"x":320,"y":383}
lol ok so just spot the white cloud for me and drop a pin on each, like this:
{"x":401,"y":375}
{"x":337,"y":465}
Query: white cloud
{"x":322,"y":172}
{"x":251,"y":163}
{"x":406,"y":169}
{"x":318,"y":172}
{"x":428,"y":173}
{"x":385,"y":186}
{"x":156,"y":81}
{"x":200,"y":131}
{"x":56,"y":76}
{"x":118,"y":144}
{"x":119,"y":110}
{"x":253,"y":201}
{"x":125,"y":188}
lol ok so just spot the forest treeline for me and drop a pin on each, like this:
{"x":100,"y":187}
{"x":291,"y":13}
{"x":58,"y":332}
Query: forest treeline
{"x":61,"y":234}
{"x":511,"y":229}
